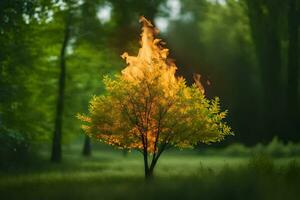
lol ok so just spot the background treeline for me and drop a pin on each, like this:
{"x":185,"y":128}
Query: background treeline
{"x":54,"y":53}
{"x":275,"y":148}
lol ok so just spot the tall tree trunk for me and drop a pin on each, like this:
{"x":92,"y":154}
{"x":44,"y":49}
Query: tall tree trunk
{"x":57,"y":136}
{"x":272,"y":89}
{"x":293,"y":66}
{"x":264,"y":22}
{"x":87,"y":146}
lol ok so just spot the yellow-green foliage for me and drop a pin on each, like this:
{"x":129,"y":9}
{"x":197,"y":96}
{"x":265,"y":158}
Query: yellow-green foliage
{"x":148,"y":108}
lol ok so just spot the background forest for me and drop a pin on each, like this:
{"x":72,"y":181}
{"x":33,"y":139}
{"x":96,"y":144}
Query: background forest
{"x":54,"y":54}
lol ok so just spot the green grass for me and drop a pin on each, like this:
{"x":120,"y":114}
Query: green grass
{"x":179,"y":175}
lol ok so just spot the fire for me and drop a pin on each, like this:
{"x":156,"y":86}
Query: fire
{"x":153,"y":67}
{"x":197,"y":79}
{"x":147,"y":107}
{"x":152,"y":59}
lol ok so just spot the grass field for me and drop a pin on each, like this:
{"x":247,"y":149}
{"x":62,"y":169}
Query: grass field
{"x":179,"y":175}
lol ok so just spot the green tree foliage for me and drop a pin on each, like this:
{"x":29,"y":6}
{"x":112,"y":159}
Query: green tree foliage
{"x":247,"y":53}
{"x":149,"y":109}
{"x":19,"y":58}
{"x":221,"y":47}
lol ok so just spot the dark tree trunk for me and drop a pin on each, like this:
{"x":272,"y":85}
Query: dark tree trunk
{"x":293,"y":65}
{"x":149,"y":175}
{"x":149,"y":170}
{"x":87,"y":150}
{"x":272,"y":90}
{"x":146,"y":166}
{"x":264,"y":25}
{"x":56,"y":143}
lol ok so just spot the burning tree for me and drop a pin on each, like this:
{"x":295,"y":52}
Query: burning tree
{"x":149,"y":109}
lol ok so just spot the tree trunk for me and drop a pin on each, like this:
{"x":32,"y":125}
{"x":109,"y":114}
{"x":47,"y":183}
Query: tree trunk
{"x":146,"y":166}
{"x":56,"y":143}
{"x":293,"y":66}
{"x":272,"y":89}
{"x":266,"y":37}
{"x":149,"y":175}
{"x":87,"y":146}
{"x":149,"y":170}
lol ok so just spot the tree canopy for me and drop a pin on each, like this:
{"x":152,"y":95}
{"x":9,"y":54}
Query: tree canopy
{"x":148,"y":108}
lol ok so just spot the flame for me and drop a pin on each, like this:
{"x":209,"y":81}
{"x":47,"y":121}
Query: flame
{"x":152,"y":66}
{"x":144,"y":105}
{"x":197,"y":79}
{"x":152,"y":60}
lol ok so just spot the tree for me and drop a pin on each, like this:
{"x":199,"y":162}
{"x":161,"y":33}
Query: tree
{"x":20,"y":70}
{"x":224,"y":55}
{"x":87,"y":151}
{"x":266,"y":19}
{"x":148,"y":109}
{"x":68,"y":17}
{"x":293,"y":64}
{"x":56,"y":144}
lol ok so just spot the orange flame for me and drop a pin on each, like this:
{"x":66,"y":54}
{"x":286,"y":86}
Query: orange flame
{"x":152,"y":59}
{"x":197,"y":79}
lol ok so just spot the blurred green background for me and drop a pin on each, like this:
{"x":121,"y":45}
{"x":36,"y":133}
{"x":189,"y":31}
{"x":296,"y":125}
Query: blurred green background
{"x":54,"y":54}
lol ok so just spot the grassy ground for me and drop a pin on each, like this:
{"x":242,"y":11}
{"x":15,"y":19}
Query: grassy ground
{"x":179,"y":175}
